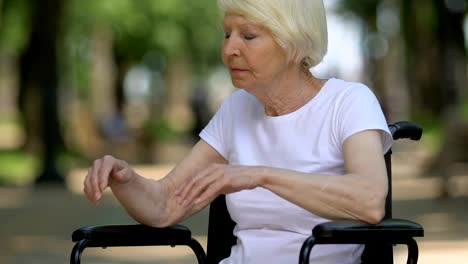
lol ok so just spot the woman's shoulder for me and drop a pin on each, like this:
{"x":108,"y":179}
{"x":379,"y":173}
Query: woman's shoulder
{"x":343,"y":86}
{"x":347,"y":89}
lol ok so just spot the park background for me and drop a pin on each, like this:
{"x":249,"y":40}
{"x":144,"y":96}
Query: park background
{"x":138,"y":80}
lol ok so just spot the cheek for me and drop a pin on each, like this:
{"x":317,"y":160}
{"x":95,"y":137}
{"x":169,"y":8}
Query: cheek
{"x":269,"y":62}
{"x":223,"y":57}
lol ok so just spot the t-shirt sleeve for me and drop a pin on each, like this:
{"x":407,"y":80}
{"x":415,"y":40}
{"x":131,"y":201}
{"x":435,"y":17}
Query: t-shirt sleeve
{"x":217,"y":130}
{"x":360,"y":110}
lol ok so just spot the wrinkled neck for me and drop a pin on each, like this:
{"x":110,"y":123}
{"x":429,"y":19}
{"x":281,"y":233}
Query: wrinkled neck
{"x":291,"y":94}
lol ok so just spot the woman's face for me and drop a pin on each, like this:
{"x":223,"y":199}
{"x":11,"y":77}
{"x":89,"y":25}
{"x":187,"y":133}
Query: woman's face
{"x":253,"y":57}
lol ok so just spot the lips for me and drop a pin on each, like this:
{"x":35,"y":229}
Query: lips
{"x":233,"y":69}
{"x":237,"y":73}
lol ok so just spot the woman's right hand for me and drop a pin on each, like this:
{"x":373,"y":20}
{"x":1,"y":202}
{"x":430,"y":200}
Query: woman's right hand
{"x":105,"y":172}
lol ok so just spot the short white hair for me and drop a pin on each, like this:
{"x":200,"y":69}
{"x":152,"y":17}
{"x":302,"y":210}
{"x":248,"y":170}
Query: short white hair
{"x":298,"y":26}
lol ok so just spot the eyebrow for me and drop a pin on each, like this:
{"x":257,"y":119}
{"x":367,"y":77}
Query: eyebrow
{"x":247,"y":25}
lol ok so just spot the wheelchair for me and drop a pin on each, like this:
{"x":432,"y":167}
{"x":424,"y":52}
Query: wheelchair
{"x":378,"y":239}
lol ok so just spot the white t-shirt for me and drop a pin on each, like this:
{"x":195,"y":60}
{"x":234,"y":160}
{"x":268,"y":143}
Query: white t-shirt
{"x":269,"y":228}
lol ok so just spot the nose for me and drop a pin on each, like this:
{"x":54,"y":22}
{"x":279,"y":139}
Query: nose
{"x":231,"y":46}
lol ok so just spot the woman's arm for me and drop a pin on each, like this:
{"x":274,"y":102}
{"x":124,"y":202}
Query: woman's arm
{"x":148,"y":201}
{"x":360,"y":194}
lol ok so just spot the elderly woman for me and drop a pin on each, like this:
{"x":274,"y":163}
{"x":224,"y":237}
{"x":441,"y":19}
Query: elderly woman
{"x":289,"y":150}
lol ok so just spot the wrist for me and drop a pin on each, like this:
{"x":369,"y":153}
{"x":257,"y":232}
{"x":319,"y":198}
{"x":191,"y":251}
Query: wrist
{"x":261,"y":176}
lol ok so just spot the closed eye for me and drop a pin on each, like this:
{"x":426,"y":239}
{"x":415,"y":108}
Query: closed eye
{"x":249,"y":36}
{"x":245,"y":36}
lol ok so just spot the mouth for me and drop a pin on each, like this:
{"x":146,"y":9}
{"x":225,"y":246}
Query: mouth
{"x":237,"y":70}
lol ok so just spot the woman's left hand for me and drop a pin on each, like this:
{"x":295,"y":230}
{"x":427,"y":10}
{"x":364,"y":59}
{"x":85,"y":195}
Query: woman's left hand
{"x":215,"y":180}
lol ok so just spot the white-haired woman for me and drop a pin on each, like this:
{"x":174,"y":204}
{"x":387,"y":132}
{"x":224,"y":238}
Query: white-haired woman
{"x":289,"y":150}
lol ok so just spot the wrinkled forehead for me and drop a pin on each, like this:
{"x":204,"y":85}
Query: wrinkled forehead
{"x":231,"y":19}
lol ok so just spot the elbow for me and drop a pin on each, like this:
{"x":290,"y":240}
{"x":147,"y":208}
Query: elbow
{"x":375,"y":216}
{"x":155,"y":222}
{"x":375,"y":211}
{"x":162,"y":223}
{"x":161,"y":220}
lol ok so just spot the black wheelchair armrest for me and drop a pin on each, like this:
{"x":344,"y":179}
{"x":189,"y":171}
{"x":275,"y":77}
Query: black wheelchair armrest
{"x":359,"y":232}
{"x":133,"y":235}
{"x":389,"y":231}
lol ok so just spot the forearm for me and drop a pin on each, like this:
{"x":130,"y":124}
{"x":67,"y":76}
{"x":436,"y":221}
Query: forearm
{"x":330,"y":196}
{"x":153,"y":202}
{"x":144,"y":199}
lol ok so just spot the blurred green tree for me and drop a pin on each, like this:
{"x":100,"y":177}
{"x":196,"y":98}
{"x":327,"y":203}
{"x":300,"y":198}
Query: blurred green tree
{"x":435,"y":53}
{"x":434,"y":68}
{"x":38,"y":96}
{"x":63,"y":43}
{"x":445,"y":95}
{"x":175,"y":38}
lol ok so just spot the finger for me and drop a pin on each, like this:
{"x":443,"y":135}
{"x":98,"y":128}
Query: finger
{"x":210,"y":193}
{"x":89,"y":183}
{"x":104,"y":172}
{"x":122,"y":171}
{"x":202,"y":185}
{"x":86,"y":184}
{"x":95,"y":192}
{"x":187,"y":188}
{"x":196,"y":190}
{"x":120,"y":176}
{"x":183,"y":192}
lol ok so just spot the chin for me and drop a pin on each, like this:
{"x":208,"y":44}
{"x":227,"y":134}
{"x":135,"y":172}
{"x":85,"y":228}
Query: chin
{"x":240,"y":84}
{"x":237,"y":83}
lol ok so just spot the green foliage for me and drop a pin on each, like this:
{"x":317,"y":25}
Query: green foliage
{"x":169,"y":28}
{"x":15,"y":26}
{"x":162,"y":130}
{"x":18,"y":168}
{"x":364,"y":9}
{"x":433,"y":132}
{"x":172,"y":27}
{"x":465,"y":109}
{"x":69,"y":159}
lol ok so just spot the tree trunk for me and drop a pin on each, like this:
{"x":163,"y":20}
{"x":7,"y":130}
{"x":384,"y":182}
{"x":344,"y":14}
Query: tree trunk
{"x":423,"y":56}
{"x":38,"y":85}
{"x":452,"y":49}
{"x":102,"y":76}
{"x":454,"y":148}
